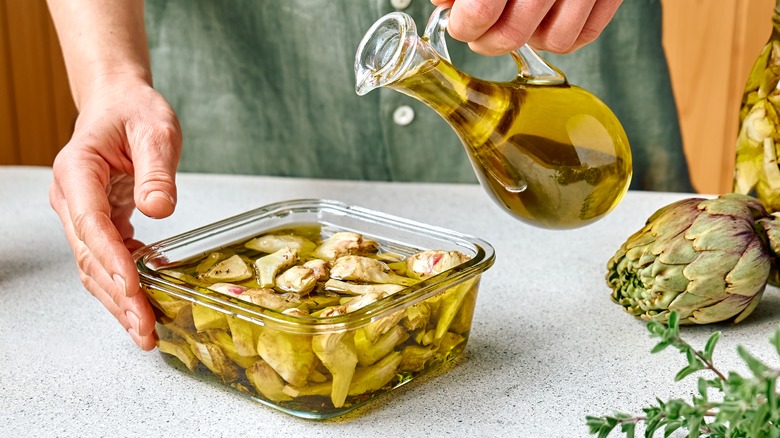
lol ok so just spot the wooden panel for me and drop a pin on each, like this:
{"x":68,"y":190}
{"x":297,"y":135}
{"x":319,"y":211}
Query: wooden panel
{"x":36,"y":109}
{"x":710,"y":47}
{"x":8,"y":141}
{"x":32,"y":80}
{"x":65,"y":112}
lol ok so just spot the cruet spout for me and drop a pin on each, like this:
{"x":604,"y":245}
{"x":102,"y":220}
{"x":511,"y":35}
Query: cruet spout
{"x":388,"y":52}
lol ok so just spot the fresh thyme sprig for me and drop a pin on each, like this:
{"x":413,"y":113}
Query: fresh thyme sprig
{"x":745,"y":406}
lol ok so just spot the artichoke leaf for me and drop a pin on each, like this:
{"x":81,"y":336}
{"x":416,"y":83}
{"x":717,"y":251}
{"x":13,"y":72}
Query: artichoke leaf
{"x":713,"y":270}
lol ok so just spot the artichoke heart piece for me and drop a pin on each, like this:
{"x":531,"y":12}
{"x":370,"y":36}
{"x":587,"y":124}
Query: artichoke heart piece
{"x":704,"y":258}
{"x":209,"y":261}
{"x":368,"y":270}
{"x":297,"y":279}
{"x":228,"y":288}
{"x":428,"y":263}
{"x":320,"y":267}
{"x":376,"y":376}
{"x":289,"y":354}
{"x":338,"y":353}
{"x":417,"y":316}
{"x":224,"y":341}
{"x":168,"y":305}
{"x":450,"y":303}
{"x":267,"y":298}
{"x":206,"y":318}
{"x":233,"y":268}
{"x":344,"y":243}
{"x":377,"y":328}
{"x":243,"y":334}
{"x":271,"y":243}
{"x":179,"y":348}
{"x":361,"y":289}
{"x":364,"y":380}
{"x":267,"y":382}
{"x":182,"y":277}
{"x":267,"y":267}
{"x":209,"y":354}
{"x":413,"y":357}
{"x":363,"y":300}
{"x":370,"y":352}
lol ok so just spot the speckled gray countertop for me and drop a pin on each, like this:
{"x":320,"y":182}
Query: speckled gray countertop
{"x":547,"y":346}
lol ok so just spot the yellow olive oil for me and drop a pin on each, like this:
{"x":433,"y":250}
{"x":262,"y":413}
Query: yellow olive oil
{"x":552,"y":155}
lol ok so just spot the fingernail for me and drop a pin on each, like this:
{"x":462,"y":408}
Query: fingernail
{"x":120,"y":282}
{"x":159,"y":195}
{"x":135,"y":321}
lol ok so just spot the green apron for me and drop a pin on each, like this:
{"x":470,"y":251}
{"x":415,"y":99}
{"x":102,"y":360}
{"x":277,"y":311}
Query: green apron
{"x":267,"y":87}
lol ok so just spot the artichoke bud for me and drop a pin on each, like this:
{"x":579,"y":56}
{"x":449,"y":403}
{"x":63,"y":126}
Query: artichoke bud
{"x":707,"y":259}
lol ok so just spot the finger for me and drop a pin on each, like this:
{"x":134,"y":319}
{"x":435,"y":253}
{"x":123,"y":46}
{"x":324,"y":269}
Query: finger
{"x":133,"y":313}
{"x":83,"y":183}
{"x":514,"y":28}
{"x":441,"y":2}
{"x":155,"y":153}
{"x":138,"y":323}
{"x":470,"y":19}
{"x":562,"y":26}
{"x":602,"y":13}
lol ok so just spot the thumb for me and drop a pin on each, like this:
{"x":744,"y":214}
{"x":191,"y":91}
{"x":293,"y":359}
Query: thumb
{"x":155,"y":156}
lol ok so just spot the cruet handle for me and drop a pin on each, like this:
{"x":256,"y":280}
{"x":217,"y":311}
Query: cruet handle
{"x":532,"y":68}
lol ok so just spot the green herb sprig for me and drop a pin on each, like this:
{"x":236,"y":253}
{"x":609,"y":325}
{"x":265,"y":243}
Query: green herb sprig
{"x":725,"y":405}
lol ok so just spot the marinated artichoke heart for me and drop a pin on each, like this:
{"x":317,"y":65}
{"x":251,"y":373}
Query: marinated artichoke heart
{"x":271,"y":243}
{"x":344,"y":243}
{"x":231,"y":269}
{"x":364,"y":269}
{"x":267,"y":267}
{"x":707,"y":259}
{"x":756,"y":169}
{"x":300,"y":277}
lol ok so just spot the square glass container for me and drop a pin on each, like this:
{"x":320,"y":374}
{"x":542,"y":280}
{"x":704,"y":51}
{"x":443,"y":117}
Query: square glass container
{"x":322,"y":362}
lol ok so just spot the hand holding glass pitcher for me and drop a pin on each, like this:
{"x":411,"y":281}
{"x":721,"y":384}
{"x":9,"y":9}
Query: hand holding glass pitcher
{"x":497,"y":27}
{"x":551,"y":154}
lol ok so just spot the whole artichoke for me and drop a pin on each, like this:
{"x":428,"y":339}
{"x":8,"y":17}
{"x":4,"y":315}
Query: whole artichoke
{"x":707,"y":259}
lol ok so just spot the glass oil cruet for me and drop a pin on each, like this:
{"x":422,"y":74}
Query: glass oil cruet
{"x":551,"y":154}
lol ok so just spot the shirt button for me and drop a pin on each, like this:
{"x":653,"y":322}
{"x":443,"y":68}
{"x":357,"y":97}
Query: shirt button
{"x":400,"y":4}
{"x":403,"y":115}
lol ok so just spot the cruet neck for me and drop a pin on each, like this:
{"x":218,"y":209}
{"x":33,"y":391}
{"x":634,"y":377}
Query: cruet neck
{"x":389,"y":50}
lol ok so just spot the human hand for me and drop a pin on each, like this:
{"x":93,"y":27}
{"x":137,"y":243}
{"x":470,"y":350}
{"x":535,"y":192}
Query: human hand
{"x":123,"y":154}
{"x":496,"y":27}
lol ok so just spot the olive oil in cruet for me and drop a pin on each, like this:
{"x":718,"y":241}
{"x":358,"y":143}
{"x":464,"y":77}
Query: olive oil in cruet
{"x":551,"y":154}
